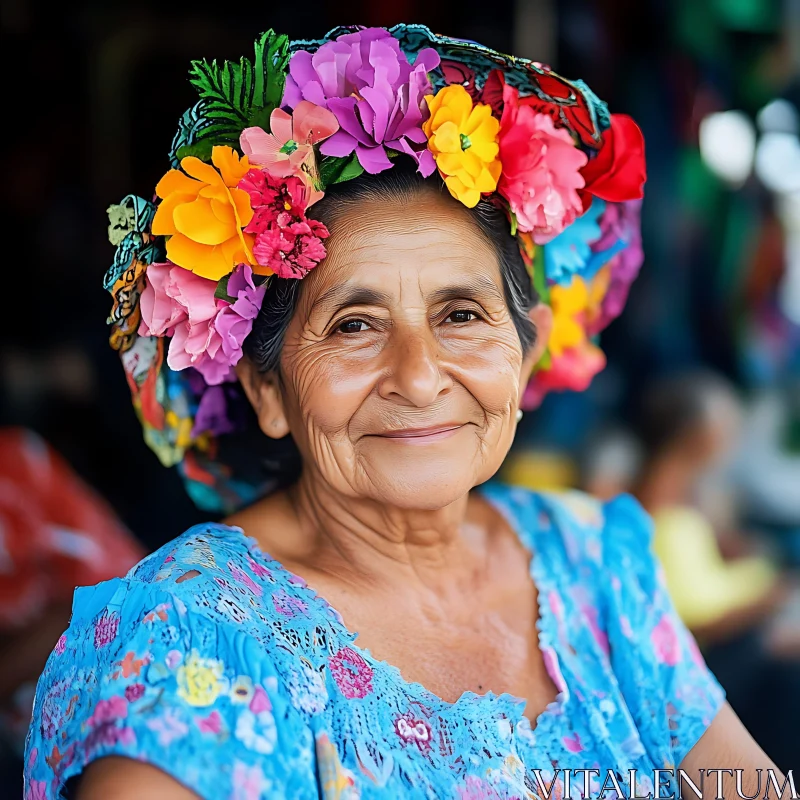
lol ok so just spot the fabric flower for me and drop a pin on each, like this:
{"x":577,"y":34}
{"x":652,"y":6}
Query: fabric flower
{"x":463,"y":140}
{"x":617,"y":173}
{"x":665,"y":642}
{"x":207,"y":332}
{"x":366,"y":80}
{"x":288,"y":150}
{"x":351,"y":673}
{"x":293,"y":249}
{"x":287,"y":243}
{"x":204,"y":214}
{"x":572,"y":371}
{"x":200,"y":680}
{"x":541,"y":170}
{"x":620,"y":223}
{"x":570,"y":251}
{"x":568,"y":304}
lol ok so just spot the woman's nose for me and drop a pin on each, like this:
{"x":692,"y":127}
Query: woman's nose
{"x":414,"y":373}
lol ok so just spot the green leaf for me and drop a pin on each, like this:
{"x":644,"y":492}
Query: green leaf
{"x":221,"y":292}
{"x":240,"y":95}
{"x":333,"y":169}
{"x":539,"y":279}
{"x":200,"y":149}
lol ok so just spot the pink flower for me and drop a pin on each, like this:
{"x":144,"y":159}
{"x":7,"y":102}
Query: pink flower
{"x":351,"y":672}
{"x":36,"y":790}
{"x":61,"y":645}
{"x":288,"y":150}
{"x":249,"y":782}
{"x":292,"y":251}
{"x":287,"y":243}
{"x":207,"y":332}
{"x":260,"y":703}
{"x":476,"y":788}
{"x":110,"y":710}
{"x":541,"y":169}
{"x":242,"y":577}
{"x":105,"y":630}
{"x":665,"y":642}
{"x":210,"y":724}
{"x":573,"y":743}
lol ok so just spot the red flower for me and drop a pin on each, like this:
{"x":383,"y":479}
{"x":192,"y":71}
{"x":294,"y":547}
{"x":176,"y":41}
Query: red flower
{"x":270,"y":196}
{"x":617,"y":173}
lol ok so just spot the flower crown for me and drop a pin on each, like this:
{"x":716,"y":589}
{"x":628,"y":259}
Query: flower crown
{"x":265,"y":141}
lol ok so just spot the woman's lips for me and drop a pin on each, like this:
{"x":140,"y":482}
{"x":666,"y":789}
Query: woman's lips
{"x":422,"y":435}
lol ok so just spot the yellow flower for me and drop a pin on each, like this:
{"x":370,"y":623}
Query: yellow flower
{"x":203,"y":213}
{"x":200,"y":680}
{"x":463,"y":140}
{"x":568,"y":303}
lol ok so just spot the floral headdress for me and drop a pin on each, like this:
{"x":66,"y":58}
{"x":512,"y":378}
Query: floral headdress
{"x":265,"y":141}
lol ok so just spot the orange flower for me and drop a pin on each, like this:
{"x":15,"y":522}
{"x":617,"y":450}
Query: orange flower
{"x":203,"y":213}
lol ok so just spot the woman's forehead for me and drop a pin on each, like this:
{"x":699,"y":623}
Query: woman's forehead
{"x":409,"y":249}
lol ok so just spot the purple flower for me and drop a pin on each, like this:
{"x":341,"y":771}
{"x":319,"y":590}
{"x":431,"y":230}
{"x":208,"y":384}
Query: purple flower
{"x":212,"y":412}
{"x":61,"y":645}
{"x":620,"y":222}
{"x":366,"y":80}
{"x":287,"y":605}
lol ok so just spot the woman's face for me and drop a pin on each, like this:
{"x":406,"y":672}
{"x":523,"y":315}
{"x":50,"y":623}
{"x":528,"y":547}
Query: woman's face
{"x":402,"y":369}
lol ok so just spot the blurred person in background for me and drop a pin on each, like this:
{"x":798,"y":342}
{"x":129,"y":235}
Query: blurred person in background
{"x":55,"y":534}
{"x":341,"y":375}
{"x":727,"y":586}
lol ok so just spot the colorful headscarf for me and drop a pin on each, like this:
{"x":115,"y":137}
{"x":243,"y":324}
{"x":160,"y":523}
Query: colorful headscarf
{"x":268,"y":137}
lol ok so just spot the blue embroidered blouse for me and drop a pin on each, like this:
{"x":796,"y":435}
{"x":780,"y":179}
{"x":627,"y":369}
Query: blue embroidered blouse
{"x":243,"y":683}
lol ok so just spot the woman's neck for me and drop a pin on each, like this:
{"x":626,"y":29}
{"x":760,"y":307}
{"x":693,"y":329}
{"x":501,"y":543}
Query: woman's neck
{"x":314,"y":528}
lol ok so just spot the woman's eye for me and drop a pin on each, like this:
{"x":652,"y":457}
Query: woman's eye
{"x":353,"y":326}
{"x":462,"y":315}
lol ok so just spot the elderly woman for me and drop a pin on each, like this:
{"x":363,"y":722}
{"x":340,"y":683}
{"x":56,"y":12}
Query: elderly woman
{"x":374,"y":619}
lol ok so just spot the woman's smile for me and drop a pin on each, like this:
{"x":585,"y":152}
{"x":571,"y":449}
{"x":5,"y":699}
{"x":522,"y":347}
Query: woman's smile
{"x":434,"y":433}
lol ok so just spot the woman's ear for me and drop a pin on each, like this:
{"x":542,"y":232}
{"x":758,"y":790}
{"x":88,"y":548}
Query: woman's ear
{"x":541,"y":315}
{"x":264,"y":394}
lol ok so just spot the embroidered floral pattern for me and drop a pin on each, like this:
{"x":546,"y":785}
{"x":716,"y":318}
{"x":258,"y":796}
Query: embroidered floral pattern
{"x":212,"y":681}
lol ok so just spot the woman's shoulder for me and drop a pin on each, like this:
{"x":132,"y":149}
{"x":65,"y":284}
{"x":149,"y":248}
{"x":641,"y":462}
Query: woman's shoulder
{"x":212,"y":574}
{"x":575,"y":525}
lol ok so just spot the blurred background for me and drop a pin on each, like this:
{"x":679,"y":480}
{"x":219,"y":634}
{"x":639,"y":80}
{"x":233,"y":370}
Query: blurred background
{"x":697,"y":413}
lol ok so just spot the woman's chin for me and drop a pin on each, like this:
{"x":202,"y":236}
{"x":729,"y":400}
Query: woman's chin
{"x":424,"y":480}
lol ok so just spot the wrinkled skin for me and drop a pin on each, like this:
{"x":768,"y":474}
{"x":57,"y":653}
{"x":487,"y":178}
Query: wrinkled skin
{"x":438,"y":348}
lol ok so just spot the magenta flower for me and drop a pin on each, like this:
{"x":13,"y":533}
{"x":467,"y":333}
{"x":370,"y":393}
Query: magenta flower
{"x":287,"y":242}
{"x":366,"y":80}
{"x":291,"y":250}
{"x":105,"y":630}
{"x":134,"y":692}
{"x":207,"y":332}
{"x":351,"y":672}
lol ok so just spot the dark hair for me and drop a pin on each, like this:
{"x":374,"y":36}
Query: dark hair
{"x":399,"y":184}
